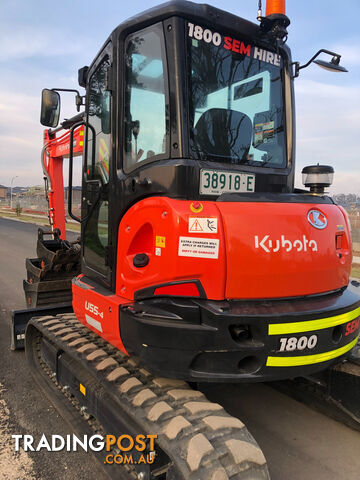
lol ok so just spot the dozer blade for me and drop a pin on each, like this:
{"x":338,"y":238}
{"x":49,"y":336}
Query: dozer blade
{"x":20,"y":319}
{"x":114,"y":394}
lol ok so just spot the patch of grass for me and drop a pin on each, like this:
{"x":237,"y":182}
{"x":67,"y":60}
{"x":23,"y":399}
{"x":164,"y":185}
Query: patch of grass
{"x":25,"y":218}
{"x":36,"y":220}
{"x":356,"y":249}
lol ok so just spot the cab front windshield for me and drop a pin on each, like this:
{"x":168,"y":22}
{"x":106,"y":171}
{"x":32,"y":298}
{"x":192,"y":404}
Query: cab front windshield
{"x":236,"y":101}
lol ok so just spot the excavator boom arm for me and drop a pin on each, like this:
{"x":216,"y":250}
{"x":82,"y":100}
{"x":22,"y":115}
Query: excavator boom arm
{"x":52,"y":156}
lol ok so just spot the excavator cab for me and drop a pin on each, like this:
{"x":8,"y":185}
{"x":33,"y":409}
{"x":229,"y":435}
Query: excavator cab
{"x":185,"y":107}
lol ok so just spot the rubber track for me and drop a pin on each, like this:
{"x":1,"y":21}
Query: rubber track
{"x":203,"y":441}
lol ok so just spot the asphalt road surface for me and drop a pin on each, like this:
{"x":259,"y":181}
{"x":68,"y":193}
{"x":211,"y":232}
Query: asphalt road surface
{"x":23,"y":408}
{"x":298,"y":442}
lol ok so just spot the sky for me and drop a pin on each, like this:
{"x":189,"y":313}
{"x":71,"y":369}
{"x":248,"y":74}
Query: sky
{"x":43,"y":44}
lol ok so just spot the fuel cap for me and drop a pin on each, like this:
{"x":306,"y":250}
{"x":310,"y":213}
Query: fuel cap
{"x":140,"y":260}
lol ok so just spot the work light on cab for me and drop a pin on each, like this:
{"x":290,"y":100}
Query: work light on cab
{"x":317,"y":177}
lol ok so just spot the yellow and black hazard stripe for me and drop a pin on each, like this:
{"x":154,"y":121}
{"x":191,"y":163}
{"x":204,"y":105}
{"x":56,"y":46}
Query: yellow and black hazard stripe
{"x":312,"y":326}
{"x":81,"y":134}
{"x":309,"y":359}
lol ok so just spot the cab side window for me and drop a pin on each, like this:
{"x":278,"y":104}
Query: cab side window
{"x":96,"y":229}
{"x":99,"y":117}
{"x":146,"y":97}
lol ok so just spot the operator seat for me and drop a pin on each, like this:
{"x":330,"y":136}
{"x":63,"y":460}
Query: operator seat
{"x":223,"y":133}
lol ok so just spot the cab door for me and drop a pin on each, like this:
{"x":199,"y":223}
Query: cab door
{"x":97,"y":168}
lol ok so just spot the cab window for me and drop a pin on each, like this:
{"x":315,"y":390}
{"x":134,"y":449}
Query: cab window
{"x":99,"y":118}
{"x":237,"y":112}
{"x":96,"y":228}
{"x":146,"y":98}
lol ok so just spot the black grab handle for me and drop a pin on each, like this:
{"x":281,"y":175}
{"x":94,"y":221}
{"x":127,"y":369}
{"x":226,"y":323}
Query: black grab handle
{"x":71,"y":154}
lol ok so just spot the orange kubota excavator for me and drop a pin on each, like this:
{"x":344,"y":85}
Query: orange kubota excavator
{"x":198,"y":260}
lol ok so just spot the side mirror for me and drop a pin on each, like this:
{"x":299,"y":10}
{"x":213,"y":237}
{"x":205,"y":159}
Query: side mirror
{"x":50,"y":108}
{"x":332,"y":66}
{"x":82,"y":76}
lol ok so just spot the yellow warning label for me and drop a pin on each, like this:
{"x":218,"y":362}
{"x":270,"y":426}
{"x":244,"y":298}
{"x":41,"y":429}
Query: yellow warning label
{"x":160,"y":241}
{"x":82,"y":389}
{"x":103,"y":151}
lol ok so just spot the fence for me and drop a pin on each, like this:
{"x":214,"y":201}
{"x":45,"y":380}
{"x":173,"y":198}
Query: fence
{"x":38,"y":204}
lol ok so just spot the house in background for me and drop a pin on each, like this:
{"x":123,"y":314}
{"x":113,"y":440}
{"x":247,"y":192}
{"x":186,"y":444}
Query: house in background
{"x":76,"y":195}
{"x":3,"y":191}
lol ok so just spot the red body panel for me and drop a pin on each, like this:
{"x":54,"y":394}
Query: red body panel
{"x":157,"y":223}
{"x":252,"y":258}
{"x":265,"y":250}
{"x":98,"y":312}
{"x":274,"y":251}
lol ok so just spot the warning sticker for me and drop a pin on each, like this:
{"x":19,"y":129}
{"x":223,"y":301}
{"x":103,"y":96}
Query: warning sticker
{"x":264,"y":132}
{"x":198,"y":247}
{"x":203,"y":225}
{"x":160,"y":241}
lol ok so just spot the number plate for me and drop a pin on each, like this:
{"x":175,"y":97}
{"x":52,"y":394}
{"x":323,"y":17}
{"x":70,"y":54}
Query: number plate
{"x":215,"y":182}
